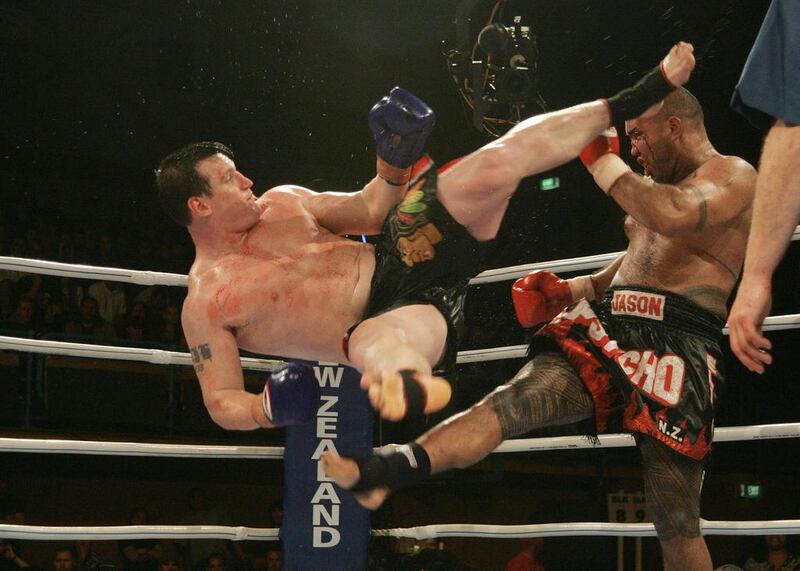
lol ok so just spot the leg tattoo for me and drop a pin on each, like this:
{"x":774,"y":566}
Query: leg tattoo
{"x":545,"y":392}
{"x":672,"y":485}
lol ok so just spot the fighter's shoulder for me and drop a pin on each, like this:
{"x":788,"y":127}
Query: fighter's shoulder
{"x":738,"y":164}
{"x":729,"y":171}
{"x":287,"y":192}
{"x":730,"y":165}
{"x":195,"y":310}
{"x":202,"y":292}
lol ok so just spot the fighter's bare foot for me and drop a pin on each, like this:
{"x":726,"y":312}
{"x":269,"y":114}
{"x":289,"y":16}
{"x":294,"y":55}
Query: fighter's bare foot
{"x":387,"y":394}
{"x":344,"y":472}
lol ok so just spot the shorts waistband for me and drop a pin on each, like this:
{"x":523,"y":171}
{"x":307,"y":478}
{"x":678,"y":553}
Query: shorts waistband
{"x":653,"y":305}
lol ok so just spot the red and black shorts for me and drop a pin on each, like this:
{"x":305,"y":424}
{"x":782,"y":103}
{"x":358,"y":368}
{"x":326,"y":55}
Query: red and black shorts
{"x":650,"y":359}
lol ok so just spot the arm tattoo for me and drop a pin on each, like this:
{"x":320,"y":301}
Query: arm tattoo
{"x":200,"y":353}
{"x":546,"y":392}
{"x":703,"y":206}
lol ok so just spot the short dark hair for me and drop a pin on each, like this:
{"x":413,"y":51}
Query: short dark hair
{"x":682,"y":103}
{"x":177,"y":179}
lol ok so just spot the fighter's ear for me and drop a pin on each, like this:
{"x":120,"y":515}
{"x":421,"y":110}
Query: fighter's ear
{"x":675,"y":126}
{"x":198,"y":206}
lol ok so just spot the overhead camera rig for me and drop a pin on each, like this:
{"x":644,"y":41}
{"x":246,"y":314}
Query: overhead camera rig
{"x":494,"y":68}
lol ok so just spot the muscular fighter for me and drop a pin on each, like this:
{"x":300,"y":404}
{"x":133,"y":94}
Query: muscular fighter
{"x":273,"y":275}
{"x":636,"y":346}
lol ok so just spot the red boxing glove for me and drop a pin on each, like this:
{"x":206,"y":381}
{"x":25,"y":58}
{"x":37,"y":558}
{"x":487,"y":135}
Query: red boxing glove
{"x":539,"y":296}
{"x":607,"y":142}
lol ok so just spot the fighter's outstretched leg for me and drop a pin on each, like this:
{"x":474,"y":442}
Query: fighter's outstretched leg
{"x":545,"y":392}
{"x":476,"y":190}
{"x":396,"y":350}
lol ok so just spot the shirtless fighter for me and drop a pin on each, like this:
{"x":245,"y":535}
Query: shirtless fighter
{"x":636,"y":345}
{"x":272,"y":275}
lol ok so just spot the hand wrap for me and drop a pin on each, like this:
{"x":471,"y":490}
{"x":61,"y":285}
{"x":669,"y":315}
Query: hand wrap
{"x":414,"y":394}
{"x":633,"y":101}
{"x":601,"y":158}
{"x":394,"y":466}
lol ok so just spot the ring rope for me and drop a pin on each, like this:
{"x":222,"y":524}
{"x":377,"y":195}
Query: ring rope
{"x":775,"y":323}
{"x":104,"y":448}
{"x":723,"y":434}
{"x":556,"y":266}
{"x":161,"y":357}
{"x":29,"y":265}
{"x":772,"y":323}
{"x":707,"y":527}
{"x":241,"y":533}
{"x":622,"y":440}
{"x":155,"y":356}
{"x":233,"y":533}
{"x":81,"y":271}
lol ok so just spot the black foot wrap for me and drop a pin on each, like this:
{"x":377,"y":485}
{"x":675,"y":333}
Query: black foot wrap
{"x":395,"y":467}
{"x":633,"y":101}
{"x":415,"y":396}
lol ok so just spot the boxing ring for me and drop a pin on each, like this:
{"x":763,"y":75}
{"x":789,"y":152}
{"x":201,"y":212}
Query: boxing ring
{"x":237,"y":533}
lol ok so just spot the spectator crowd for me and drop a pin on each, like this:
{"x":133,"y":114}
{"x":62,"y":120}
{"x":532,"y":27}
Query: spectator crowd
{"x":87,"y":310}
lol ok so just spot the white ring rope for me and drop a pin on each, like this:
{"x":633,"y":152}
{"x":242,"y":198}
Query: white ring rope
{"x":775,"y":527}
{"x":28,"y":265}
{"x":80,"y":271}
{"x":155,"y":356}
{"x":233,"y":533}
{"x":556,"y":266}
{"x":726,"y":434}
{"x":104,"y":448}
{"x":240,"y":533}
{"x":160,"y":357}
{"x":773,"y":323}
{"x":722,"y":434}
{"x":94,"y":447}
{"x":776,"y":323}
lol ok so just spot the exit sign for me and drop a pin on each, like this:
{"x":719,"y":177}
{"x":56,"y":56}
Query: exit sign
{"x":549,"y":183}
{"x":751,"y":491}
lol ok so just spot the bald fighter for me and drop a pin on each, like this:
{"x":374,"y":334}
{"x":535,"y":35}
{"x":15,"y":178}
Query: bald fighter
{"x":273,"y":275}
{"x":636,"y":346}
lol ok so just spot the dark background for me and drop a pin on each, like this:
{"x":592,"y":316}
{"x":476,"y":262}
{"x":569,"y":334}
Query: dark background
{"x":95,"y":93}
